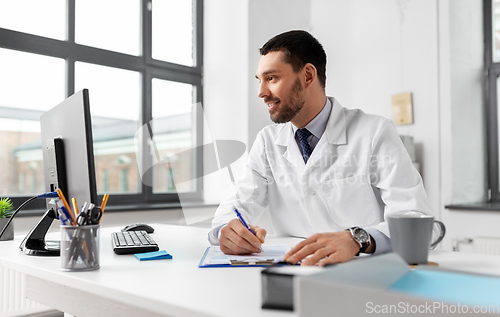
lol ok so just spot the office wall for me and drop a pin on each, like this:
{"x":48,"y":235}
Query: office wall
{"x":433,"y":49}
{"x":225,"y":82}
{"x":267,"y":19}
{"x":380,"y":48}
{"x":234,"y":31}
{"x":375,"y":49}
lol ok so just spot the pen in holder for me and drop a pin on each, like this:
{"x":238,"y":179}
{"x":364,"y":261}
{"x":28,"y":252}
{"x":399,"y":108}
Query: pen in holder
{"x":80,"y":248}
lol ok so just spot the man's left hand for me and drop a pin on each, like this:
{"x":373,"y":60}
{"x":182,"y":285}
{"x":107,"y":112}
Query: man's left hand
{"x":324,"y":248}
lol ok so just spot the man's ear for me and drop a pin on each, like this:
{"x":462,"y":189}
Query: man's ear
{"x":310,"y":74}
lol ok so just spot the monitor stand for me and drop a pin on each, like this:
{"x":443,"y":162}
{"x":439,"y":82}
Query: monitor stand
{"x":34,"y":243}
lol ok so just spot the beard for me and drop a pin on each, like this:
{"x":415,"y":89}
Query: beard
{"x":288,"y":109}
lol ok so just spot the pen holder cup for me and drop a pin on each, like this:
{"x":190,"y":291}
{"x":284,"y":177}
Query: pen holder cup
{"x":80,"y":248}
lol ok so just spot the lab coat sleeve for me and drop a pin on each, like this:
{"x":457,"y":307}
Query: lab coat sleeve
{"x":382,"y":242}
{"x":214,"y":234}
{"x":393,"y":174}
{"x":250,"y":194}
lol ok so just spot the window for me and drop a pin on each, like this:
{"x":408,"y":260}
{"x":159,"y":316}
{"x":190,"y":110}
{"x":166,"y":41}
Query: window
{"x":105,"y":180}
{"x":492,"y":65}
{"x":142,"y":63}
{"x":170,"y":31}
{"x":99,"y":24}
{"x":26,"y":16}
{"x":124,"y":180}
{"x":22,"y":177}
{"x":172,"y":111}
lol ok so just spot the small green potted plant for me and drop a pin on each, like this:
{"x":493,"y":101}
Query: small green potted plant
{"x":6,"y":210}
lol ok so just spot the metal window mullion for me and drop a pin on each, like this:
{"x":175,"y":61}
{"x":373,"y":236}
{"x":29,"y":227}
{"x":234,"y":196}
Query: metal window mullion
{"x":488,"y":33}
{"x":175,"y":76}
{"x":491,"y":102}
{"x":495,"y":69}
{"x":147,"y":111}
{"x":198,"y":36}
{"x":492,"y":132}
{"x":198,"y":51}
{"x":92,"y":55}
{"x":146,"y":115}
{"x":71,"y":21}
{"x":29,"y":43}
{"x":154,"y":63}
{"x":70,"y":60}
{"x":70,"y":76}
{"x":146,"y":30}
{"x":199,"y":142}
{"x":63,"y":49}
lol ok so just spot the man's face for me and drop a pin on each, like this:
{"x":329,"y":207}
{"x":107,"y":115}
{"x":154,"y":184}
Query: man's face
{"x":280,"y":87}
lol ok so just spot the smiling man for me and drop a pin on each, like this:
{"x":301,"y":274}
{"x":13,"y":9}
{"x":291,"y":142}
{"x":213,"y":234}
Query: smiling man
{"x":327,"y":173}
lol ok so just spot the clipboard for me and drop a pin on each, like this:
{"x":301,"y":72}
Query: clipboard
{"x":273,"y":253}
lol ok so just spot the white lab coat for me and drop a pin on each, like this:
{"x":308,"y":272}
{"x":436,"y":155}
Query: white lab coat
{"x":358,"y":172}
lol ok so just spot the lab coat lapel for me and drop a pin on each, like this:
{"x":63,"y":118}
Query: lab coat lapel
{"x":322,"y":150}
{"x":335,"y":134}
{"x":292,"y":153}
{"x":335,"y":131}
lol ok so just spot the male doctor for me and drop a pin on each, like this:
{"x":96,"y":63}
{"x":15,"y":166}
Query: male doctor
{"x":327,"y":173}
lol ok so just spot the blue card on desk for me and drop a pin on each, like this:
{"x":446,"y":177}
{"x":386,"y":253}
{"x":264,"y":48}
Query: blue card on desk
{"x":157,"y":255}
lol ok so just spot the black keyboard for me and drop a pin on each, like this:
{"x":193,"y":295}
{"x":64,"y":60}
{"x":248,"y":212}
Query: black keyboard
{"x":130,"y":242}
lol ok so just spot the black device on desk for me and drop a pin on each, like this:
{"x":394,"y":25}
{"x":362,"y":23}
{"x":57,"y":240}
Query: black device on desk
{"x":68,"y":159}
{"x":129,"y":242}
{"x":139,"y":227}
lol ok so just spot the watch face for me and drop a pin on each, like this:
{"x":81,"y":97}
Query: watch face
{"x":361,"y":235}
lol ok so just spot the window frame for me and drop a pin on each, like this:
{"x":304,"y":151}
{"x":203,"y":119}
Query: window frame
{"x":492,"y":72}
{"x":148,"y":67}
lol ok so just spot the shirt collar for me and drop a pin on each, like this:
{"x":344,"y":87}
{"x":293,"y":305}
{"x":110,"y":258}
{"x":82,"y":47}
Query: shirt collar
{"x":318,"y":125}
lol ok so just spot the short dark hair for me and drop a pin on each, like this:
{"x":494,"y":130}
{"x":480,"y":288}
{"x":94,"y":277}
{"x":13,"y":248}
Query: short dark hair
{"x":299,"y":48}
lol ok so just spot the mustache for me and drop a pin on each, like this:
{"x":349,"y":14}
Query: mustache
{"x":266,"y":100}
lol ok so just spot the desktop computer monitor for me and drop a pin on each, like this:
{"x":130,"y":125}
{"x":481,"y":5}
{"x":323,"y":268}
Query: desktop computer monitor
{"x":68,"y":149}
{"x":68,"y":159}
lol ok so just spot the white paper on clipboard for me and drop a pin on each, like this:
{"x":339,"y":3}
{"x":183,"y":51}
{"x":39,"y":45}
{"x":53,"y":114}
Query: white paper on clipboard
{"x":275,"y":252}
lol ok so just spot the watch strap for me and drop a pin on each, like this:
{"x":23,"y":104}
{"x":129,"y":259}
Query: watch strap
{"x":363,"y":245}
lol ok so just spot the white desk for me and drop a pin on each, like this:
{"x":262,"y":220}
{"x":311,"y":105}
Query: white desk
{"x":124,"y":286}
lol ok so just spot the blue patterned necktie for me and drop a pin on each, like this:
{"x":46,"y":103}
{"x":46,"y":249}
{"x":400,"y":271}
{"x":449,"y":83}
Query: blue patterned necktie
{"x":303,"y":134}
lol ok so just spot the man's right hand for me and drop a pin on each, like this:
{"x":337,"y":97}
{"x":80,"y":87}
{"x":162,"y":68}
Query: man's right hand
{"x":235,"y":238}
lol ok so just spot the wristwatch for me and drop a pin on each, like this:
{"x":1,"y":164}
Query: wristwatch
{"x":361,"y":237}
